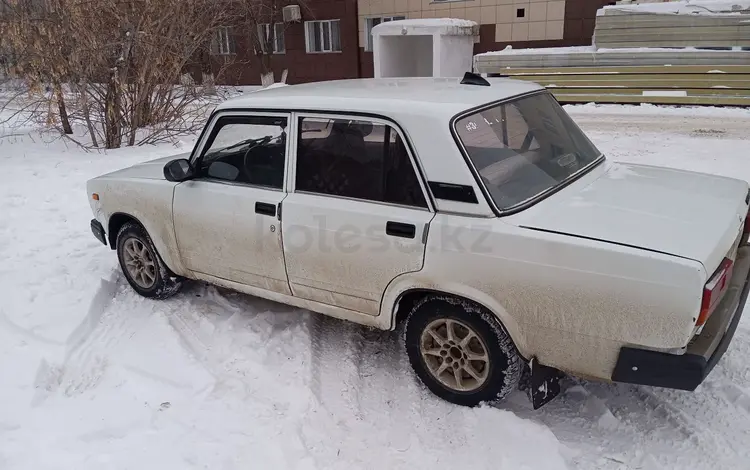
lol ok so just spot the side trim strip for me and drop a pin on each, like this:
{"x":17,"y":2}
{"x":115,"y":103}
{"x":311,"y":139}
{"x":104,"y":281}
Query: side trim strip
{"x":606,"y":241}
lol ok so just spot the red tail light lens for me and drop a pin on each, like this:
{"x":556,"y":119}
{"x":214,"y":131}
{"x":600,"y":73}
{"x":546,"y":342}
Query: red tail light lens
{"x":713,"y":290}
{"x":747,"y":224}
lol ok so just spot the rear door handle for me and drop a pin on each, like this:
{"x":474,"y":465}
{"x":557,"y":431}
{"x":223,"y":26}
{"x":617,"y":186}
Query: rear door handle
{"x":398,"y":229}
{"x":265,"y":209}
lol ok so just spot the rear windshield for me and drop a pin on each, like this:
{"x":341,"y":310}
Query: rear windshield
{"x":525,"y":147}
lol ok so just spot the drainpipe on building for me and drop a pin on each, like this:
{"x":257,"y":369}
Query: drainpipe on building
{"x":359,"y":56}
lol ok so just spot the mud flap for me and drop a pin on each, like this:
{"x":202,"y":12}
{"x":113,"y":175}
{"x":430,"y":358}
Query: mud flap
{"x":544,"y":383}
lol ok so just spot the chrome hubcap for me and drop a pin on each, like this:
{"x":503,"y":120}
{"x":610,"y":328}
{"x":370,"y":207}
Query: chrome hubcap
{"x":139,"y":263}
{"x":455,"y":355}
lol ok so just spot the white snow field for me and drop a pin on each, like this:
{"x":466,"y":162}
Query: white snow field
{"x":94,"y":377}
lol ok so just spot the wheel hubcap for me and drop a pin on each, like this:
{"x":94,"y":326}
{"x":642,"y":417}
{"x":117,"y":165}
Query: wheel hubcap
{"x":455,"y":355}
{"x":139,"y":263}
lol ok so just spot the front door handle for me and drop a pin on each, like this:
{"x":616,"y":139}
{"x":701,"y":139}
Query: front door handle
{"x":398,"y":229}
{"x":265,"y":209}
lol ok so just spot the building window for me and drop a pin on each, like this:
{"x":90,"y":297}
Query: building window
{"x":520,"y":12}
{"x":223,"y":42}
{"x":323,"y":36}
{"x":374,"y":21}
{"x":273,"y":39}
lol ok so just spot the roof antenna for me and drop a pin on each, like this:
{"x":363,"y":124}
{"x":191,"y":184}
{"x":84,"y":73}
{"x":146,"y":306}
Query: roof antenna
{"x":471,"y":78}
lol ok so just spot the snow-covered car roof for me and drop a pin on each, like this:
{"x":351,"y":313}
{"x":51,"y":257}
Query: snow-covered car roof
{"x":434,"y":97}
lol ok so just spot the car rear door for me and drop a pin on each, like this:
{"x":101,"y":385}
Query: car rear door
{"x":227,"y":218}
{"x":358,"y":214}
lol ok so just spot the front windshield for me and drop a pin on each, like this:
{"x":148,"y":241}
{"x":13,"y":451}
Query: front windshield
{"x":524,"y":147}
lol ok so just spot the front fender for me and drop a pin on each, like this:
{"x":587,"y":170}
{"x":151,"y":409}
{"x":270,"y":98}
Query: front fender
{"x":150,"y":203}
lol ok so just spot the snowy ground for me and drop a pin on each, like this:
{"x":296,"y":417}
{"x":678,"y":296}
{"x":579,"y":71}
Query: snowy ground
{"x":94,"y":377}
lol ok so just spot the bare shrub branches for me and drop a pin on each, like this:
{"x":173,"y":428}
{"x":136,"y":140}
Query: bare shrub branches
{"x":117,"y":68}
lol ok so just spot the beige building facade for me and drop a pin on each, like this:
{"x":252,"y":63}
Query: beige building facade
{"x":511,"y":20}
{"x":518,"y":23}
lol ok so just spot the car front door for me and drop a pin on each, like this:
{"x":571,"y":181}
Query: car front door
{"x":358,"y":214}
{"x":227,"y":218}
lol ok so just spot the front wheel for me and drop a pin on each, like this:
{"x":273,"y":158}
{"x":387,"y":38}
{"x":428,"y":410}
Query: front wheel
{"x":461,"y":352}
{"x":143,"y":268}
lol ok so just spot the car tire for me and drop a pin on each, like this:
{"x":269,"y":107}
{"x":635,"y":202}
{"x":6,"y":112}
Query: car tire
{"x":475,"y":363}
{"x":142,"y":266}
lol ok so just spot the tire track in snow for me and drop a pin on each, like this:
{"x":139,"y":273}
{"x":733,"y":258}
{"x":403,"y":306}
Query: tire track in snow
{"x":336,"y":358}
{"x":84,"y":362}
{"x":234,"y":336}
{"x":115,"y":316}
{"x":617,"y":426}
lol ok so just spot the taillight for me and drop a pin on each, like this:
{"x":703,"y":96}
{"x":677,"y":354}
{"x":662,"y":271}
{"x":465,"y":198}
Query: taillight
{"x":713,"y":290}
{"x":747,"y":224}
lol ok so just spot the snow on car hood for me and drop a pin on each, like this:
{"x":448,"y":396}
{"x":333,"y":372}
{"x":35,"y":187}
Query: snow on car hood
{"x":153,"y":169}
{"x":682,"y":213}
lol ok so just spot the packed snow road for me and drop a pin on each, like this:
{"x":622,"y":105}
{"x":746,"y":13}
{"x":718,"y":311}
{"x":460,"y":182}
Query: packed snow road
{"x":93,"y":376}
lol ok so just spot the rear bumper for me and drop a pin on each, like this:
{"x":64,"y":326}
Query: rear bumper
{"x":98,"y":231}
{"x":687,"y":371}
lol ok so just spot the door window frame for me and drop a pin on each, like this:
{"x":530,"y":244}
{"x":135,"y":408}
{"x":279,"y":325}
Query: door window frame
{"x":291,"y":179}
{"x":200,"y":146}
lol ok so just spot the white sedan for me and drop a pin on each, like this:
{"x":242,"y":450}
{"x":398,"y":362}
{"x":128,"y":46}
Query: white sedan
{"x":473,"y":211}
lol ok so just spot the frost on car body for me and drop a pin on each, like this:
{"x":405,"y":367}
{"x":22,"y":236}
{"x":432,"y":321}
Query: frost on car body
{"x":478,"y":203}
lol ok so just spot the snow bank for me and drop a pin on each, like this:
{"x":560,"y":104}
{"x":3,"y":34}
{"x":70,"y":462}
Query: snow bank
{"x":647,"y":109}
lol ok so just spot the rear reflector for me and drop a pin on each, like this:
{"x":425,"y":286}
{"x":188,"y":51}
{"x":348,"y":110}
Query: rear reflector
{"x":713,"y":290}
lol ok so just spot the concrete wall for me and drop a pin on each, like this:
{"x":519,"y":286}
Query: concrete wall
{"x":455,"y":55}
{"x":404,"y":56}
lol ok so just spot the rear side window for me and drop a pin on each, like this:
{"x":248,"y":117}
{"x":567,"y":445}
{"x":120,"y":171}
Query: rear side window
{"x":358,"y":159}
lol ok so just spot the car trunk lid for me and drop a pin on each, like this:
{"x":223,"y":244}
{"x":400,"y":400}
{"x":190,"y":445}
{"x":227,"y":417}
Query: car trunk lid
{"x":681,"y":213}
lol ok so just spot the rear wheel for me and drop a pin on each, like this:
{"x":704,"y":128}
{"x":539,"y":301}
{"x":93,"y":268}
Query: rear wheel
{"x":143,"y":268}
{"x":460,"y":351}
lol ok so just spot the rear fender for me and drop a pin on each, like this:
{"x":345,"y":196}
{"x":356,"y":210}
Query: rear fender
{"x":410,"y":282}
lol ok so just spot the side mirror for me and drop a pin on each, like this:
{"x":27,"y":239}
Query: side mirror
{"x":178,"y":170}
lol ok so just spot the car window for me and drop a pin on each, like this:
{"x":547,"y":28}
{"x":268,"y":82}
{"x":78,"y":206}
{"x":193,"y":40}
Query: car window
{"x":246,"y":149}
{"x":524,"y":147}
{"x":356,"y":158}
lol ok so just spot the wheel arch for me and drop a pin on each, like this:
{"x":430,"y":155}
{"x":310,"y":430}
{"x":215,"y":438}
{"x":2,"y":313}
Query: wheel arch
{"x":116,"y":222}
{"x":398,"y":303}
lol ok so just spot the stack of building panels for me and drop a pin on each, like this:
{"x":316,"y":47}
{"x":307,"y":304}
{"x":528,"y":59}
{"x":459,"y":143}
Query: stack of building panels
{"x":628,"y":27}
{"x":578,"y":75}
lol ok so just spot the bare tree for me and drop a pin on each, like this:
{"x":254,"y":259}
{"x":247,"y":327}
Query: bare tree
{"x":123,"y":61}
{"x":36,"y":36}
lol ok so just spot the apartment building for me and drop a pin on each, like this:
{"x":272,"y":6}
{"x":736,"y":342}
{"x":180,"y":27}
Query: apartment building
{"x":322,"y":45}
{"x":332,"y":39}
